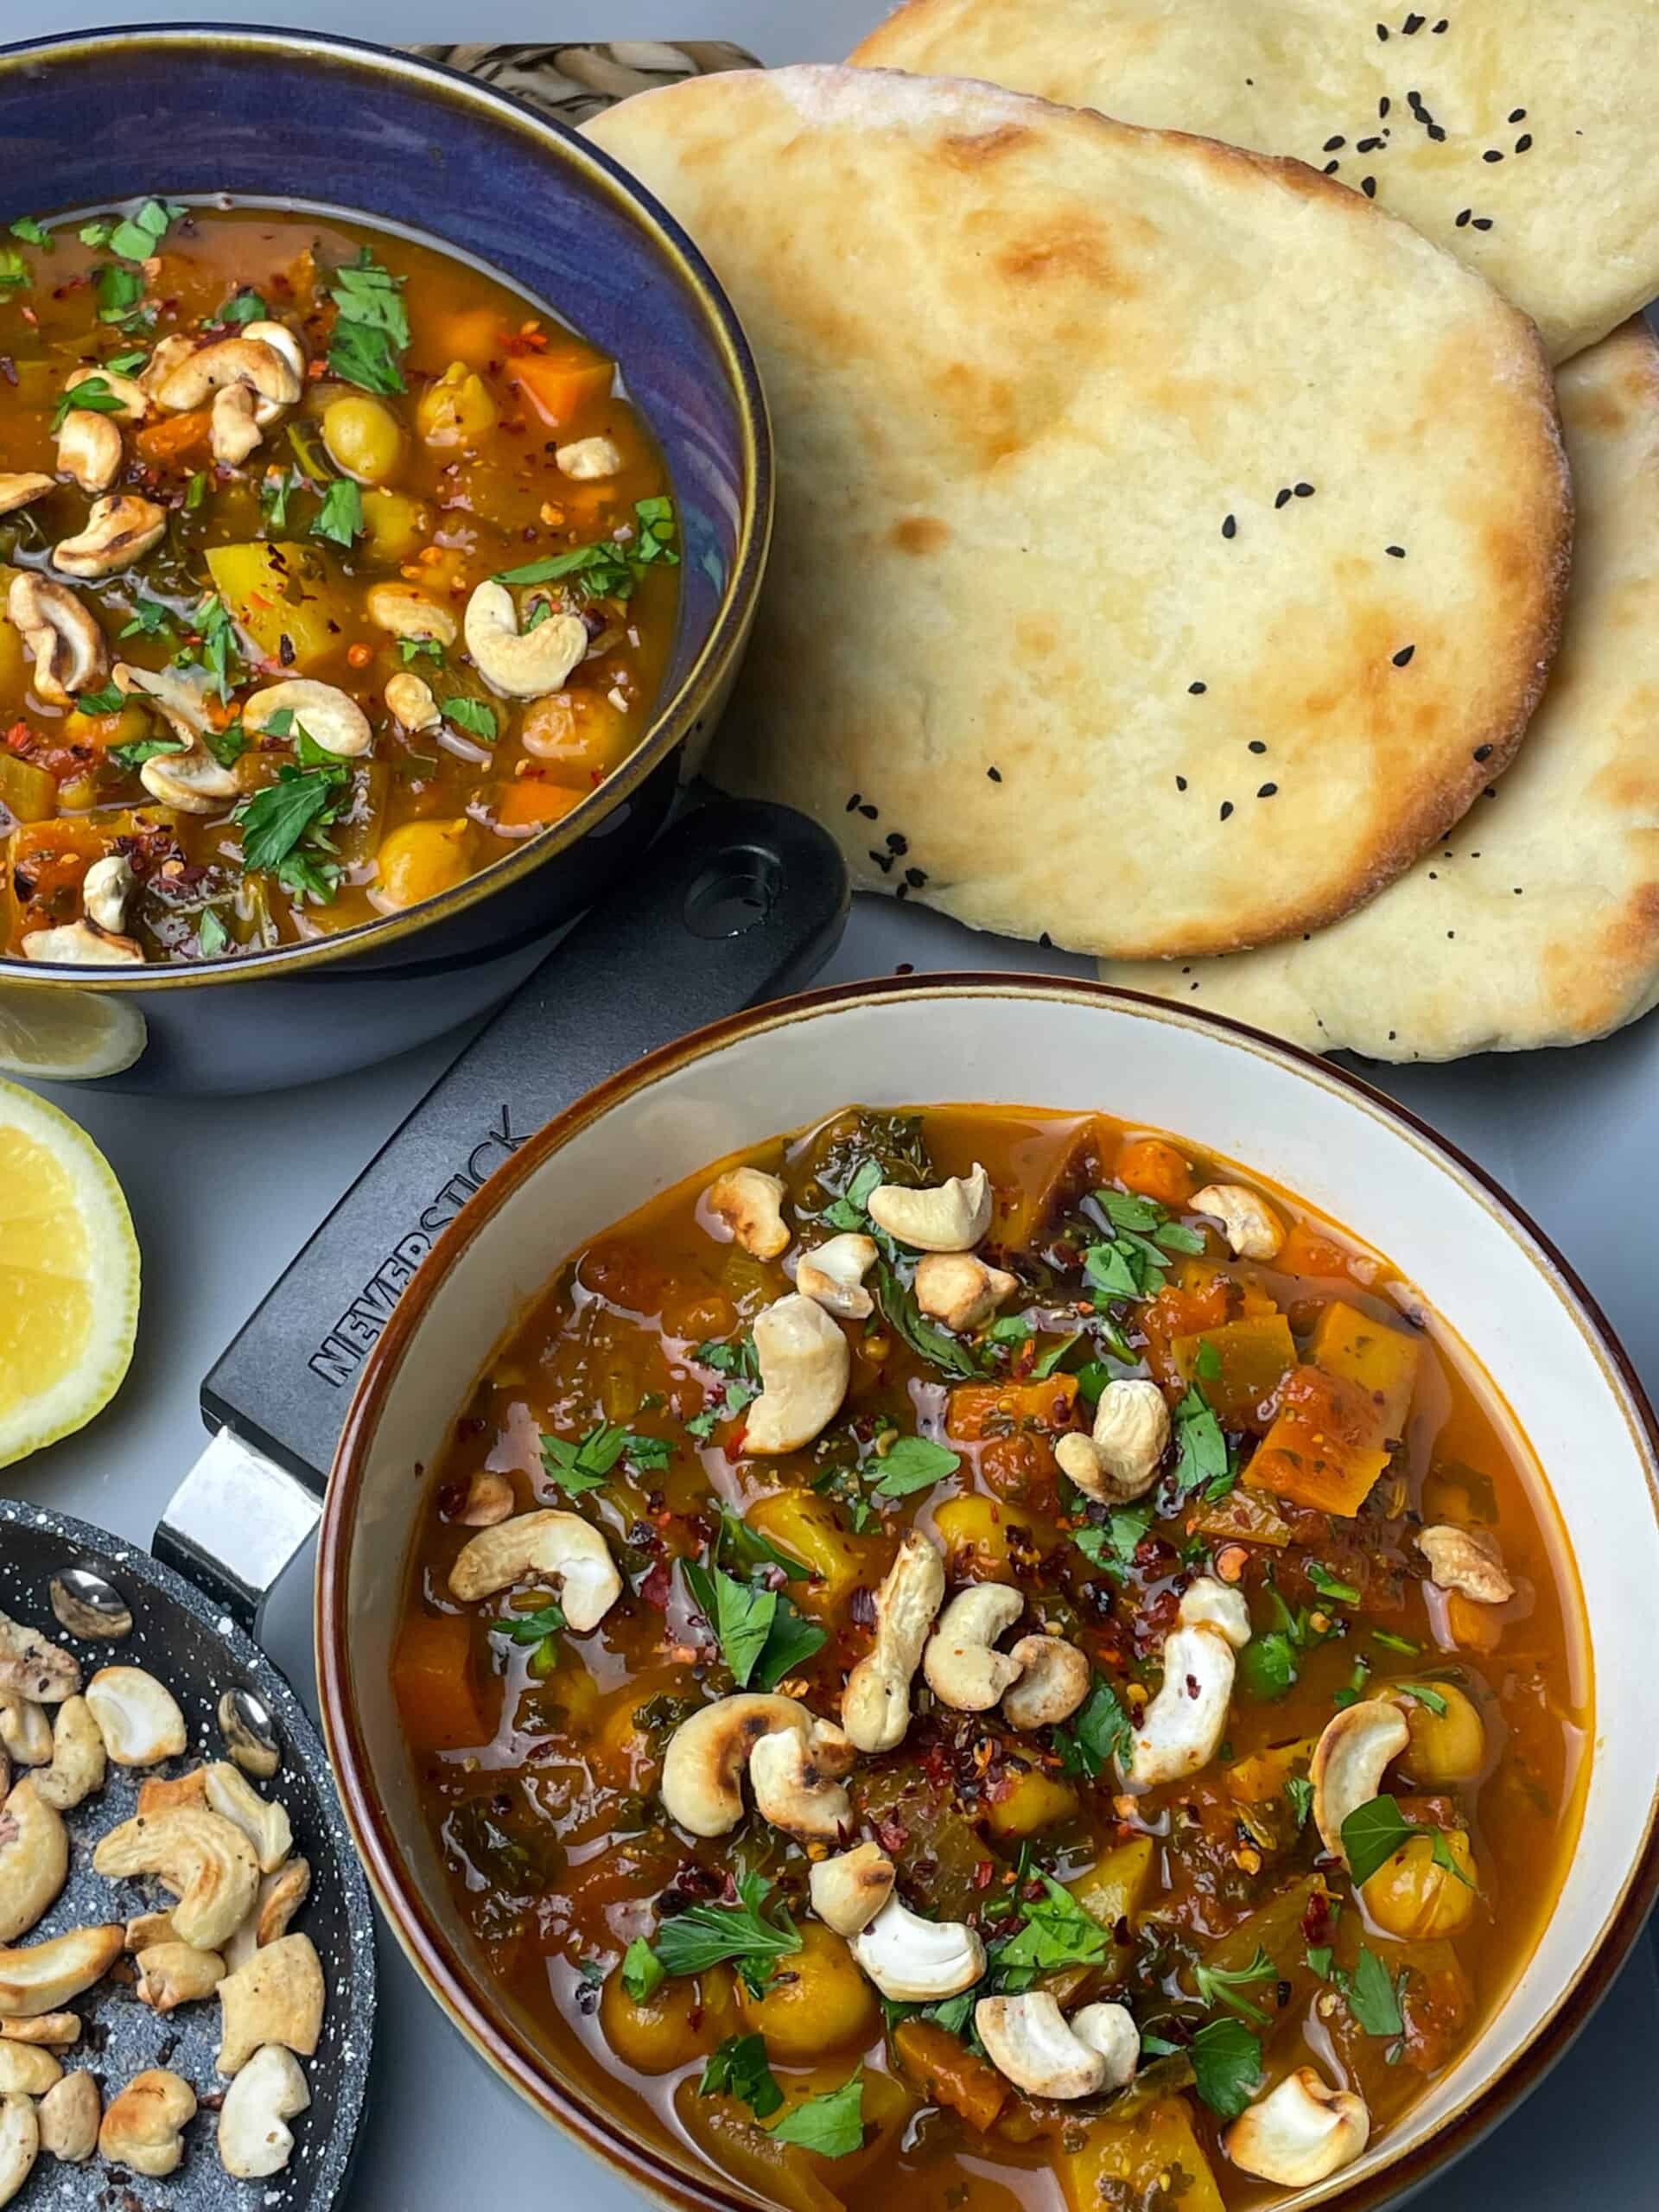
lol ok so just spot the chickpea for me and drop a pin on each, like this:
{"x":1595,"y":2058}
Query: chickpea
{"x":458,"y":410}
{"x":581,"y":733}
{"x":419,"y":860}
{"x":397,"y":527}
{"x":364,"y":437}
{"x":682,"y":2019}
{"x":817,"y":2001}
{"x":1449,"y":1746}
{"x":1412,"y":1898}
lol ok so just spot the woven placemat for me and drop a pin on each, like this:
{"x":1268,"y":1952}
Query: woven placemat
{"x":570,"y":83}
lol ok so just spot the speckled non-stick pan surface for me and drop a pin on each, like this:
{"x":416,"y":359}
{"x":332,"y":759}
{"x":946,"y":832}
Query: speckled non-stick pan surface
{"x":199,"y":1653}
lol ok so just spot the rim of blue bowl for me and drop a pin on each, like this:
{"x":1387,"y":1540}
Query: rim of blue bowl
{"x":676,"y":713}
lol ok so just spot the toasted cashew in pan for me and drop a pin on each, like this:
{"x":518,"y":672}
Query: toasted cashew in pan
{"x":276,"y":1998}
{"x":751,"y":1204}
{"x":832,"y":1275}
{"x":708,"y":1754}
{"x":916,"y":1960}
{"x":1302,"y":2131}
{"x":948,"y":1216}
{"x":1054,"y":1679}
{"x":34,"y":1859}
{"x":1350,"y":1760}
{"x":20,"y":2144}
{"x":69,"y":2115}
{"x":33,"y":1668}
{"x":1121,"y":1457}
{"x":1467,"y":1561}
{"x":875,"y":1705}
{"x":143,"y":2128}
{"x":520,"y":664}
{"x":805,"y":1366}
{"x":254,"y":2140}
{"x":796,"y":1775}
{"x":559,"y":1547}
{"x":329,"y":716}
{"x":38,"y":1978}
{"x":207,"y":1863}
{"x":262,"y":1820}
{"x":70,"y":655}
{"x":849,"y":1890}
{"x":1252,"y":1229}
{"x":963,"y":1666}
{"x":27,"y":2069}
{"x":56,"y":2030}
{"x":175,"y":1974}
{"x":137,"y":1717}
{"x":120,"y":531}
{"x":959,"y":1289}
{"x":25,"y":1730}
{"x":234,"y":430}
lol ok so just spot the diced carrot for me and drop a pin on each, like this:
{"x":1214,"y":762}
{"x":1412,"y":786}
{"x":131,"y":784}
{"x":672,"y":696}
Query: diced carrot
{"x":176,"y":439}
{"x":1035,"y":1203}
{"x":532,"y":798}
{"x":1239,"y":1517}
{"x":435,"y":1679}
{"x":1319,"y":1452}
{"x":1198,"y":1296}
{"x":475,"y":335}
{"x":949,"y":2073}
{"x":1308,"y":1252}
{"x":1382,"y":1361}
{"x":1251,"y":1357}
{"x":1475,"y":1626}
{"x":979,"y":1410}
{"x":559,"y":386}
{"x":1157,"y":1170}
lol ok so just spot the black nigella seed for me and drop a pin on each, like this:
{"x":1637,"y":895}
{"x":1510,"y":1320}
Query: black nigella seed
{"x":1368,"y":186}
{"x":1491,"y":154}
{"x":1483,"y":753}
{"x":1517,"y":115}
{"x":852,"y":803}
{"x":916,"y":877}
{"x":1336,"y":145}
{"x":896,"y":842}
{"x":1483,"y":222}
{"x":870,"y":813}
{"x":1283,"y":498}
{"x":1464,"y":214}
{"x":1439,"y":27}
{"x":1383,"y":104}
{"x":1304,"y":491}
{"x":901,"y":890}
{"x":1366,"y":145}
{"x":1395,"y":552}
{"x":1226,"y":808}
{"x":1412,"y":24}
{"x":1229,"y":528}
{"x":1181,"y":783}
{"x":1330,"y":168}
{"x":1403,"y":655}
{"x":883,"y":861}
{"x":1046,"y":941}
{"x":1267,"y":791}
{"x":1383,"y":32}
{"x":996,"y":775}
{"x":1195,"y":688}
{"x":1258,"y":744}
{"x":1523,"y":144}
{"x":1436,"y":133}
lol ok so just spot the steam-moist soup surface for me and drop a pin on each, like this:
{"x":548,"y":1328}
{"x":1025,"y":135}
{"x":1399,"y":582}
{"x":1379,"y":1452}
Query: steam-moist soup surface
{"x":254,"y":470}
{"x":1330,"y":1450}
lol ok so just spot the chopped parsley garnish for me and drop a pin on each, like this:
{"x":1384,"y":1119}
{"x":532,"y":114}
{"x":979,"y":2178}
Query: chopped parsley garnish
{"x":1221,"y":1985}
{"x":1099,"y":1732}
{"x":1226,"y":2066}
{"x":92,"y":395}
{"x":643,"y":1972}
{"x":1331,"y":1587}
{"x":409,"y":650}
{"x":135,"y":237}
{"x":275,"y":489}
{"x":1373,"y":1832}
{"x":832,"y":2124}
{"x":372,"y":328}
{"x":32,"y":233}
{"x":276,"y":819}
{"x":150,"y":620}
{"x":738,"y":2067}
{"x":14,"y":269}
{"x":145,"y":748}
{"x":531,"y":1628}
{"x":195,"y":491}
{"x":1112,"y":1546}
{"x":1058,"y":1933}
{"x":340,"y":516}
{"x":109,"y":701}
{"x":1272,"y":1661}
{"x":929,"y":1343}
{"x":1202,"y":1459}
{"x":1299,"y":1791}
{"x":848,"y":1211}
{"x":914,"y":1463}
{"x":1420,"y":1694}
{"x":1390,"y":1642}
{"x":1320,"y":1960}
{"x":609,"y":570}
{"x":246,"y":306}
{"x":762,"y":1637}
{"x":1131,"y":1264}
{"x":472,"y":715}
{"x":211,"y":936}
{"x":220,"y":642}
{"x":121,"y":296}
{"x":1373,"y":1997}
{"x":588,"y":1465}
{"x":706,"y":1936}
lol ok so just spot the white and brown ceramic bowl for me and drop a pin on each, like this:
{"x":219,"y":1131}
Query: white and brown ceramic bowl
{"x":1070,"y":1046}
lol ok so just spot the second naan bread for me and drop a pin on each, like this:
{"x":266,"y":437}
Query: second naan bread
{"x":1519,"y":133}
{"x":1169,"y":545}
{"x":1537,"y":922}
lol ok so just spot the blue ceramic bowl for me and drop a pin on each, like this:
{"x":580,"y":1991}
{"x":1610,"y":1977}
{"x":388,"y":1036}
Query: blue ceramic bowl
{"x":294,"y":118}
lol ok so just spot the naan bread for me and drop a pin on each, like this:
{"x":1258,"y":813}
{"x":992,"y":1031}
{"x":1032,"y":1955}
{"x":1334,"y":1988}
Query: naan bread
{"x":1093,"y":443}
{"x":1537,"y":922}
{"x":1518,"y":133}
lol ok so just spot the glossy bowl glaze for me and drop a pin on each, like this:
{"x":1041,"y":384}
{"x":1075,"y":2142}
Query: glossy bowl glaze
{"x":297,"y":118}
{"x":1012,"y":1041}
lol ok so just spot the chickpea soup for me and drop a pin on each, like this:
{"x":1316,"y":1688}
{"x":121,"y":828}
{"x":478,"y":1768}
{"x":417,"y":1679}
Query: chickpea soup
{"x":331,"y":571}
{"x":983,"y":1656}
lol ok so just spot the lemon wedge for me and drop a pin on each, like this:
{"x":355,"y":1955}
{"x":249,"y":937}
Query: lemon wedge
{"x":68,"y":1276}
{"x":68,"y":1035}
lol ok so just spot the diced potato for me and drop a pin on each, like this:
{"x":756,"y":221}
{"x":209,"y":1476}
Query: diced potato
{"x":280,"y":590}
{"x":1115,"y":1889}
{"x":979,"y":1410}
{"x":727,"y":2134}
{"x":1036,"y":1801}
{"x":1319,"y":1450}
{"x":804,"y":1525}
{"x":1254,"y":1355}
{"x":1133,"y":2162}
{"x":1261,"y":1778}
{"x":1382,"y":1361}
{"x":1030,"y":1206}
{"x":949,"y":2072}
{"x":1242,"y":1518}
{"x":27,"y":793}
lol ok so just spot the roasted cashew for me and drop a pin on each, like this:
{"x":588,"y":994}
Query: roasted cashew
{"x":69,"y":2115}
{"x":1467,"y":1561}
{"x":328,"y":716}
{"x":175,"y":1974}
{"x":805,"y":1366}
{"x":960,"y":1290}
{"x":875,"y":1705}
{"x":849,"y":1890}
{"x":1028,"y":2039}
{"x":280,"y":1895}
{"x":264,"y":1822}
{"x":949,"y":1216}
{"x":708,"y":1754}
{"x":560,"y":1548}
{"x":1181,"y":1730}
{"x":195,"y":782}
{"x":1252,"y":1229}
{"x":70,"y":655}
{"x":207,"y":1862}
{"x":24,"y":1729}
{"x":1054,"y":1679}
{"x":137,"y":1717}
{"x":82,"y":944}
{"x":144,"y":2126}
{"x":90,"y":449}
{"x":119,"y":531}
{"x":21,"y":487}
{"x":1120,"y":1458}
{"x":20,"y":2144}
{"x":276,"y":1998}
{"x":520,"y":664}
{"x":1350,"y":1760}
{"x":146,"y":1930}
{"x":588,"y":459}
{"x":27,"y":2069}
{"x":916,"y":1960}
{"x":39,"y":1978}
{"x":34,"y":1859}
{"x":254,"y":2141}
{"x":796,"y":1776}
{"x":1299,"y":2133}
{"x":833,"y":1274}
{"x":410,"y":698}
{"x":964,"y":1669}
{"x":33,"y":1668}
{"x":56,"y":2030}
{"x":406,"y":612}
{"x":489,"y":1501}
{"x":159,"y":1795}
{"x":751,"y":1204}
{"x":235,"y":430}
{"x":268,"y":368}
{"x":104,"y":890}
{"x":134,"y":401}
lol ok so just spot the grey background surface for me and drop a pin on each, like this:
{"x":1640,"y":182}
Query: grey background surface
{"x":222,"y":1197}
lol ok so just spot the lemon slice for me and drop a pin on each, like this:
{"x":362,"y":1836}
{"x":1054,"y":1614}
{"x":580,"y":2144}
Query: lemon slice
{"x":68,"y":1036}
{"x":68,"y":1276}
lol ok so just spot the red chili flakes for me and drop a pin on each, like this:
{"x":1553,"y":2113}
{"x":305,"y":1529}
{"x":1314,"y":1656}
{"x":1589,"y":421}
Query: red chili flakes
{"x":655,"y":1587}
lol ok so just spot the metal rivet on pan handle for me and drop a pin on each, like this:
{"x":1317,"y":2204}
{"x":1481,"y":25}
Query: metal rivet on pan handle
{"x":249,"y":1732}
{"x":88,"y":1607}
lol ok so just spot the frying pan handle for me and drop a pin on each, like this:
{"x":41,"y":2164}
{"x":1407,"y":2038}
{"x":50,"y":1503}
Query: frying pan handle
{"x":739,"y":902}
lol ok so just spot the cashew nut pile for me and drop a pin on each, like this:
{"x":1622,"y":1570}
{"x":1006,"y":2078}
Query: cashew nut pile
{"x":216,"y":1855}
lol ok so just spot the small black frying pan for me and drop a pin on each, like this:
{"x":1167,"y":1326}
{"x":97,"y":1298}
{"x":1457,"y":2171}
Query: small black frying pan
{"x":186,"y":1642}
